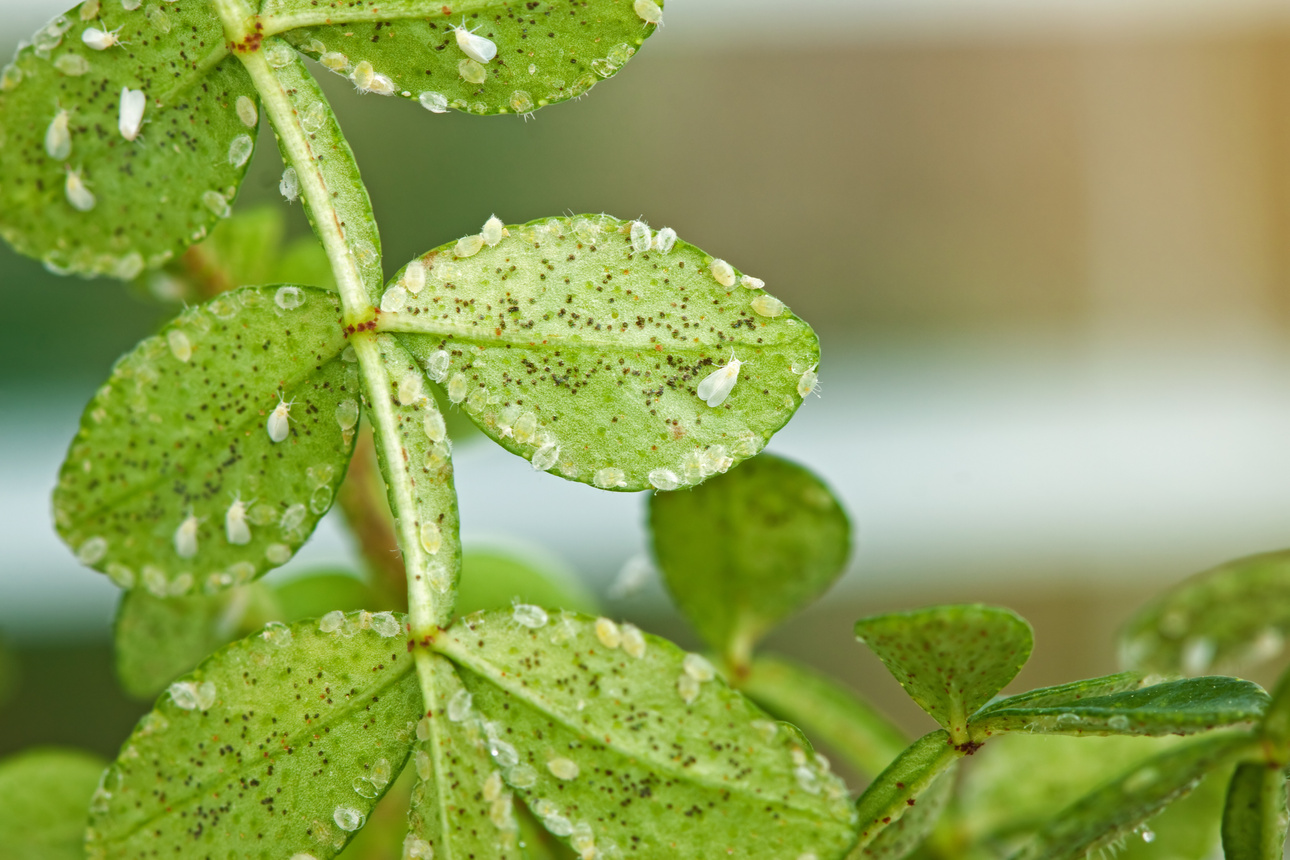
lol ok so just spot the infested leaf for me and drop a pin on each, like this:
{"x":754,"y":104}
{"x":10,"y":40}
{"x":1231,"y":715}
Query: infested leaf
{"x":950,"y":659}
{"x":826,"y":711}
{"x":906,"y":833}
{"x":1171,"y":708}
{"x":578,"y":353}
{"x":173,"y":482}
{"x":1114,"y":810}
{"x":109,"y":204}
{"x":1254,"y":817}
{"x":228,"y":761}
{"x":784,"y":540}
{"x":1231,"y":616}
{"x":613,"y":737}
{"x":43,"y":796}
{"x":545,"y":52}
{"x":461,"y":807}
{"x":912,"y":778}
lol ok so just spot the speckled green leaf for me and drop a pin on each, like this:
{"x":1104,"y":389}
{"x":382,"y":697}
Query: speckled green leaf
{"x":950,"y":659}
{"x":461,"y":807}
{"x":826,"y":711}
{"x":418,"y":472}
{"x":1254,"y":817}
{"x":180,"y":430}
{"x":546,"y":51}
{"x":496,"y":577}
{"x":1116,"y":809}
{"x":615,"y":737}
{"x":912,"y":778}
{"x":1179,"y":707}
{"x":151,"y":196}
{"x":280,"y":743}
{"x":43,"y":797}
{"x":906,"y":833}
{"x":784,"y":539}
{"x":157,"y":639}
{"x":1220,"y":620}
{"x":583,"y":356}
{"x":1061,"y":694}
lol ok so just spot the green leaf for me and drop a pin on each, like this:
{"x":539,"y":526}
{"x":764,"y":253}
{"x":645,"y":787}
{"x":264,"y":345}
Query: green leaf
{"x":911,"y":778}
{"x":582,"y":356}
{"x":1074,"y":691}
{"x":495,"y":578}
{"x":1117,"y":808}
{"x":1225,"y":618}
{"x":783,"y":540}
{"x":150,"y":197}
{"x":1254,"y":818}
{"x":950,"y":659}
{"x":418,"y":475}
{"x":176,"y":442}
{"x":827,"y":711}
{"x":907,"y":832}
{"x":546,"y":52}
{"x":43,"y":796}
{"x":461,"y":806}
{"x":1172,"y":708}
{"x":280,"y":743}
{"x":158,"y":639}
{"x":614,"y":736}
{"x":318,"y":593}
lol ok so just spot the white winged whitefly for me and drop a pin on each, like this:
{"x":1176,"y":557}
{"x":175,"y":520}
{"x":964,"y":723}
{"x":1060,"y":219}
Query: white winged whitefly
{"x":101,"y":40}
{"x":279,"y":423}
{"x":478,"y":48}
{"x":717,"y":385}
{"x":130,"y":120}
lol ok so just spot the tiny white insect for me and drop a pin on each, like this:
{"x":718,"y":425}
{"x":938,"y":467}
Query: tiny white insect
{"x":235,"y":526}
{"x":78,"y":195}
{"x":186,"y":537}
{"x":101,"y":40}
{"x":133,"y":103}
{"x":492,"y":232}
{"x":58,"y":140}
{"x":717,"y":385}
{"x":279,"y":424}
{"x":478,"y":48}
{"x":649,"y":12}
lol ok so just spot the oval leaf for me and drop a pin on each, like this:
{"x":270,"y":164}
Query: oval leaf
{"x":827,"y":711}
{"x":1225,"y":618}
{"x":1062,"y":694}
{"x":747,"y":549}
{"x":1254,"y":818}
{"x":1116,"y":809}
{"x":950,"y":659}
{"x":497,"y":577}
{"x":107,"y":204}
{"x":545,"y":52}
{"x":613,"y":736}
{"x":1173,"y":708}
{"x":229,"y":761}
{"x":173,"y":482}
{"x":43,"y":797}
{"x":461,"y":806}
{"x":584,"y":356}
{"x":912,"y":777}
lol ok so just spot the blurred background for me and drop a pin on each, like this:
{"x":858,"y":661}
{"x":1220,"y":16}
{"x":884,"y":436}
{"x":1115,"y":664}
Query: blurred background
{"x":1044,"y":243}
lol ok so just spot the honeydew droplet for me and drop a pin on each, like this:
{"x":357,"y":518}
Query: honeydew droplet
{"x":608,"y":633}
{"x":640,"y":237}
{"x":385,"y":625}
{"x":503,"y":753}
{"x":433,"y":101}
{"x":698,"y":667}
{"x":492,"y":232}
{"x":320,"y":501}
{"x":648,"y":11}
{"x":724,"y":274}
{"x":527,"y":615}
{"x":459,"y":706}
{"x":664,"y":479}
{"x":431,"y":537}
{"x":471,"y":72}
{"x":332,"y":621}
{"x":180,"y":347}
{"x":348,"y":818}
{"x":289,"y":298}
{"x":767,"y":306}
{"x":72,"y":65}
{"x":278,"y":55}
{"x":563,"y":768}
{"x":216,"y":203}
{"x":193,"y":696}
{"x":239,"y":151}
{"x":633,"y":641}
{"x":468,"y":246}
{"x":521,"y":102}
{"x":603,"y":67}
{"x":58,"y":140}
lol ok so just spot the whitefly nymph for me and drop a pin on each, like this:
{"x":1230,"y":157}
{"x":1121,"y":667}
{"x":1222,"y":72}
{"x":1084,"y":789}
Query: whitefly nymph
{"x":478,"y":48}
{"x":717,"y":385}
